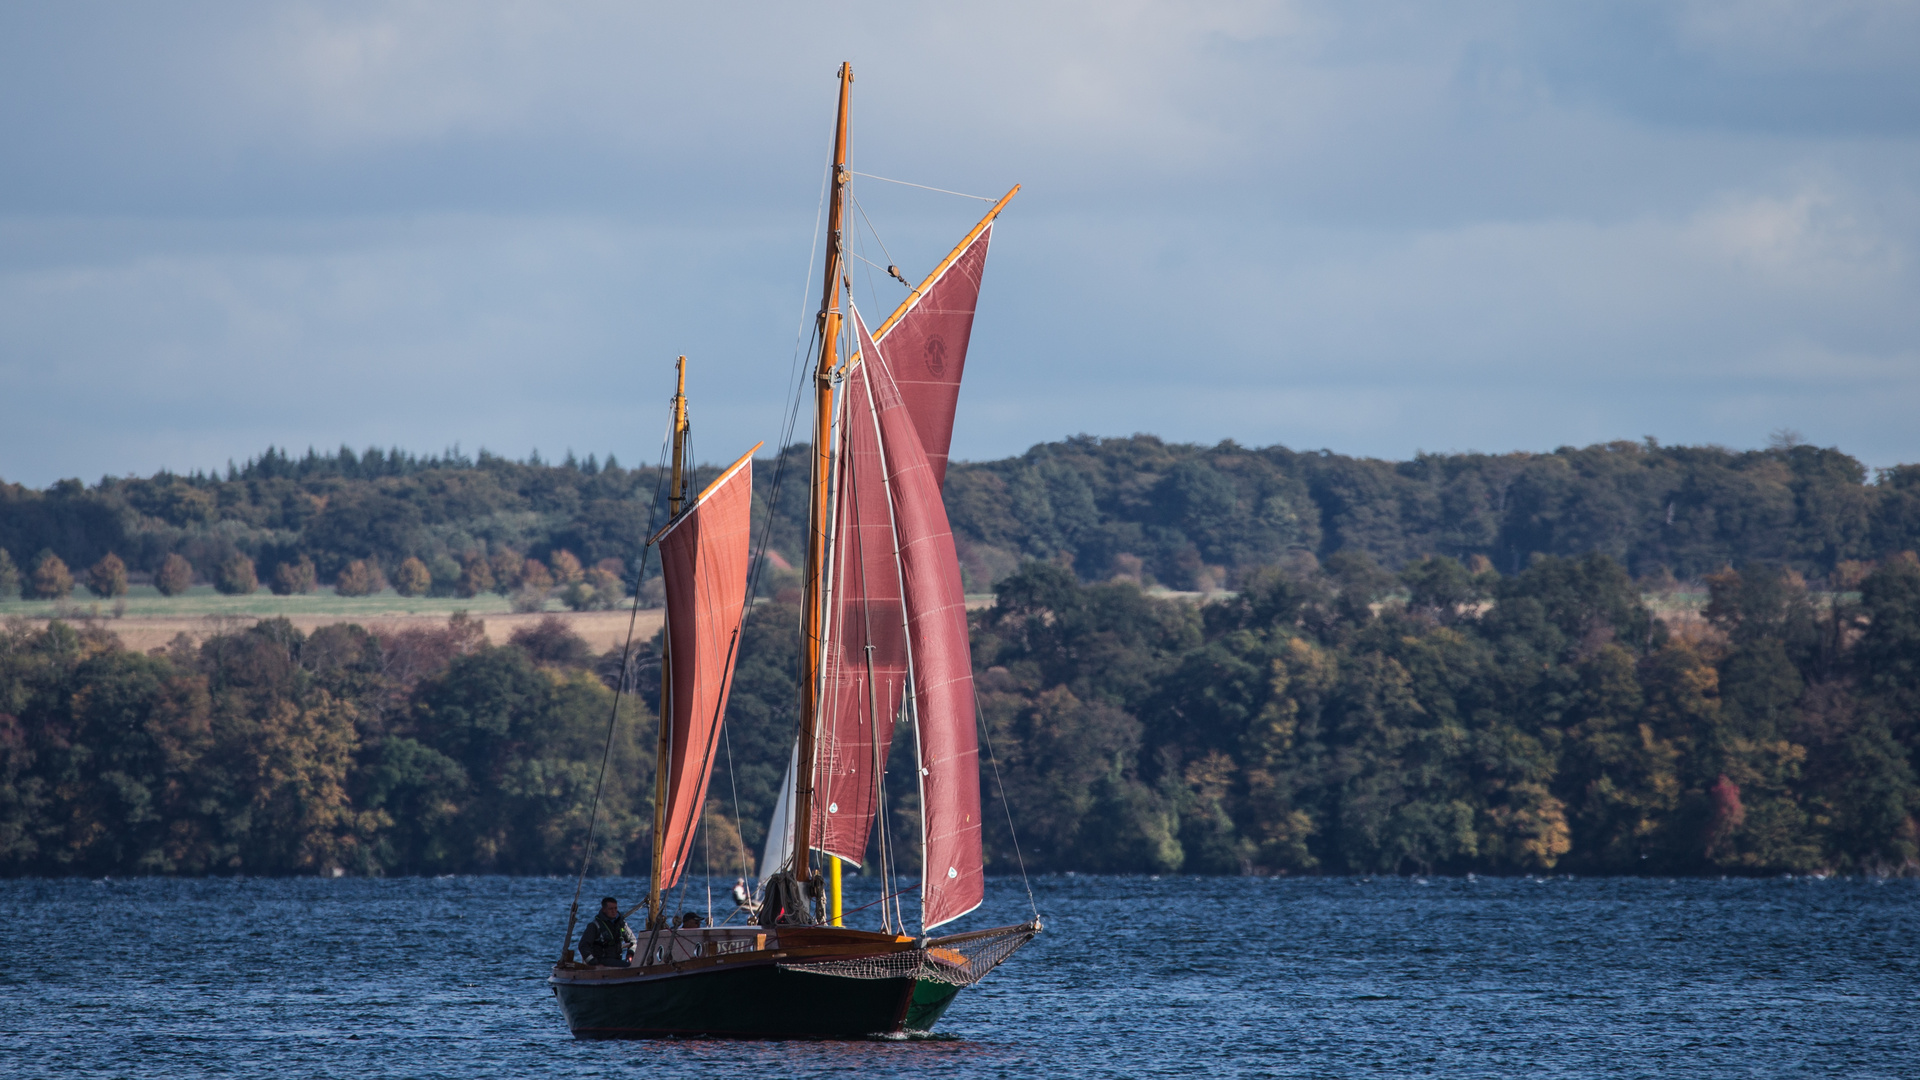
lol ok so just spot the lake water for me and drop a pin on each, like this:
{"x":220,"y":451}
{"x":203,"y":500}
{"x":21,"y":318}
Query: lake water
{"x":1134,"y":977}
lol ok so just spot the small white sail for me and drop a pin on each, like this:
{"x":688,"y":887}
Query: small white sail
{"x":779,"y":848}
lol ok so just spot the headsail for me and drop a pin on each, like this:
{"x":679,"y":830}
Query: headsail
{"x":940,"y":664}
{"x":703,"y":562}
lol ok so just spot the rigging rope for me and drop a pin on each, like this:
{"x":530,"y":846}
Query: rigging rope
{"x":923,"y":187}
{"x":980,"y":716}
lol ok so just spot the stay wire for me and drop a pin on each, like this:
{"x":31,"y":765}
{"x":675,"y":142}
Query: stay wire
{"x":980,"y":717}
{"x":924,"y":187}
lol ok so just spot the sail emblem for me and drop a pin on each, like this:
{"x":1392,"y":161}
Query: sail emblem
{"x":936,"y":357}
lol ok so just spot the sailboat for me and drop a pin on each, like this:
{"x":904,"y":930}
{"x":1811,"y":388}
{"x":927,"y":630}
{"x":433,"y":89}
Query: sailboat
{"x":884,"y":643}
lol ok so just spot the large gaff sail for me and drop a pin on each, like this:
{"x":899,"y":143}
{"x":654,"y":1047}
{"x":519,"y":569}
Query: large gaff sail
{"x":703,"y":563}
{"x":927,"y":349}
{"x":864,"y":670}
{"x":940,"y":664}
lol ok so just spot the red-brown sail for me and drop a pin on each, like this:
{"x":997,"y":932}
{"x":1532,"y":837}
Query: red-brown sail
{"x":927,"y":349}
{"x":940,"y":663}
{"x":866,"y":651}
{"x":703,"y":563}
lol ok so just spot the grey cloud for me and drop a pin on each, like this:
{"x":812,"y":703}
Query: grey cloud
{"x":1376,"y":227}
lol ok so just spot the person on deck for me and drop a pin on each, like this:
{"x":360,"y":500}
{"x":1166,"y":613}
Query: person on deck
{"x":607,"y":941}
{"x":690,"y":921}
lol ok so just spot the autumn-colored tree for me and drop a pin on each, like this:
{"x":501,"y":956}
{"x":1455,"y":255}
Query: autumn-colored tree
{"x":362,"y":577}
{"x":535,"y":584}
{"x":174,"y":577}
{"x":9,"y":575}
{"x":413,"y":578}
{"x":476,"y":576}
{"x":236,"y":577}
{"x":290,"y":578}
{"x":566,"y":568}
{"x":50,"y":579}
{"x":506,"y":565}
{"x":108,"y":577}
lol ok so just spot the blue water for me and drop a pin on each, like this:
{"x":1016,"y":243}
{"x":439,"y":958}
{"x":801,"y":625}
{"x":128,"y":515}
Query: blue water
{"x":1134,"y":977}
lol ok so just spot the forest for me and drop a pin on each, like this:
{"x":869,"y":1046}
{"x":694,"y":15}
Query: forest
{"x":1187,"y":517}
{"x":1328,"y":717}
{"x":1457,"y":663}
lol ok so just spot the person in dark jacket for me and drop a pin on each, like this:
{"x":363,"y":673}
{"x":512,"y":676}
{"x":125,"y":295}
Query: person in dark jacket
{"x":607,"y":941}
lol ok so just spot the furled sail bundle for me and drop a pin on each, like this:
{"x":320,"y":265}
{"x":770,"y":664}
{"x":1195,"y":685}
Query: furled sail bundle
{"x":703,"y":563}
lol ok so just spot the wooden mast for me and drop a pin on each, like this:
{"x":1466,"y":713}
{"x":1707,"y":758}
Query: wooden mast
{"x":818,"y":516}
{"x":676,"y":492}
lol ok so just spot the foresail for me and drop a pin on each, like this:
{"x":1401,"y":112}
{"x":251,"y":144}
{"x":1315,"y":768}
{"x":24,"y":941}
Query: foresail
{"x":778,"y":850}
{"x":927,"y":349}
{"x":940,"y":683}
{"x":703,"y":563}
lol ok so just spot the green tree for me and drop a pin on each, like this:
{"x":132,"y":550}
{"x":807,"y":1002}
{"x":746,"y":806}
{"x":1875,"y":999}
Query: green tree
{"x":9,"y":575}
{"x":235,"y":575}
{"x":174,"y":577}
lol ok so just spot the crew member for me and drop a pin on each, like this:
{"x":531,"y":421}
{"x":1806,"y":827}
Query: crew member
{"x":608,"y":941}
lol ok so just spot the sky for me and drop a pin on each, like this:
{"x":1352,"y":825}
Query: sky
{"x":1371,"y":227}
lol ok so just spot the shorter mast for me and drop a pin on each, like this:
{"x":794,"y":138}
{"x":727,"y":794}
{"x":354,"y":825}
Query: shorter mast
{"x":676,"y":492}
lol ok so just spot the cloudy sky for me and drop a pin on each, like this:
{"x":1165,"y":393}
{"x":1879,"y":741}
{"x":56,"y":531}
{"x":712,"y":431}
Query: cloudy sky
{"x":1376,"y":228}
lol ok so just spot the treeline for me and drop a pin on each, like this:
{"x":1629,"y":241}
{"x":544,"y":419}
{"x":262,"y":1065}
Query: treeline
{"x":1188,"y":517}
{"x":448,"y":525}
{"x":1329,"y":718}
{"x":269,"y":751}
{"x":1340,"y":719}
{"x":1196,"y":517}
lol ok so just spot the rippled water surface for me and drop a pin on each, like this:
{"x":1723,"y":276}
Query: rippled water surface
{"x":1134,"y":977}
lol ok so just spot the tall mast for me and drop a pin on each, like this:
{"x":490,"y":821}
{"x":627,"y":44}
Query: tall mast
{"x":676,"y":492}
{"x":822,"y":459}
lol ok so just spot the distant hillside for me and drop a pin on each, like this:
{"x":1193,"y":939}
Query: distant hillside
{"x":1180,"y":515}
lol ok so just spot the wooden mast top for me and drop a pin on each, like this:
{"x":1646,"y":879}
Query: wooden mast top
{"x":829,"y":322}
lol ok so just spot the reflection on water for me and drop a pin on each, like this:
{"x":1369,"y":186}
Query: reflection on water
{"x":1134,"y":977}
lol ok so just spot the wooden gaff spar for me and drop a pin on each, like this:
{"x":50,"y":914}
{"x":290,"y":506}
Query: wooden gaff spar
{"x":884,"y":636}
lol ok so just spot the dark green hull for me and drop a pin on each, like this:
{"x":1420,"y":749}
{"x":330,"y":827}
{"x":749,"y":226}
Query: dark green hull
{"x":756,"y":1001}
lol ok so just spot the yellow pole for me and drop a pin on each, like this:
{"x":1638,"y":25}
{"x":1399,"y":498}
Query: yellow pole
{"x":833,"y":886}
